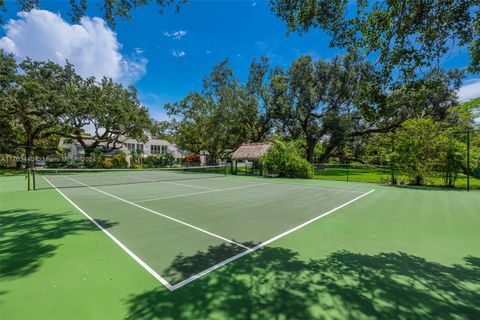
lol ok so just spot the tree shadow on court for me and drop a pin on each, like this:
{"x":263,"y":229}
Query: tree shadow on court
{"x":186,"y":266}
{"x":276,"y":283}
{"x":26,"y":236}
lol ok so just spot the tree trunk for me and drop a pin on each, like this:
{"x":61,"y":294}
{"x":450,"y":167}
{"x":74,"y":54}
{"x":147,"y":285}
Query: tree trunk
{"x":28,"y":154}
{"x":311,"y":150}
{"x":327,"y":153}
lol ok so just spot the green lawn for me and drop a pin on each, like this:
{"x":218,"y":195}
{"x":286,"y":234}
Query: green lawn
{"x":399,"y":252}
{"x":382,"y":175}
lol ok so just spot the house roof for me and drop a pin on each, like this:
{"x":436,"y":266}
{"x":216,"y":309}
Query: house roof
{"x":251,"y":151}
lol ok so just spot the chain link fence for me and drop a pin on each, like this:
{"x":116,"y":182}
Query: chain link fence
{"x":451,"y":160}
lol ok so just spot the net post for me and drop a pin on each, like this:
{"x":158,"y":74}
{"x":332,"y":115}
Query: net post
{"x":468,"y":160}
{"x":28,"y":179}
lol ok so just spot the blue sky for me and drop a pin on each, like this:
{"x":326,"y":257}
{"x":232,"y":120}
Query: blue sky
{"x":166,"y":56}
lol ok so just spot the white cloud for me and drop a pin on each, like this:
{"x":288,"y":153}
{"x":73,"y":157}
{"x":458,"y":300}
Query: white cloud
{"x":159,"y":114}
{"x":254,"y":4}
{"x":177,"y":35}
{"x":470,"y":90}
{"x":139,"y":50}
{"x":178,"y":54}
{"x":208,"y":51}
{"x":90,"y":46}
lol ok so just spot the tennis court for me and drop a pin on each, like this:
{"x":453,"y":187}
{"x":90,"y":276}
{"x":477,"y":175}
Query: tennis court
{"x":160,"y":216}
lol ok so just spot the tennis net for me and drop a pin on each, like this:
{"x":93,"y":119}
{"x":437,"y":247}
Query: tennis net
{"x":77,"y":178}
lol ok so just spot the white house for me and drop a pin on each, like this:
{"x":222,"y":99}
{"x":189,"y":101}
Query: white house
{"x":150,"y":147}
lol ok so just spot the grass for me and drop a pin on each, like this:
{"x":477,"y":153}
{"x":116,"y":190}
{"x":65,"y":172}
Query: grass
{"x":397,"y":253}
{"x":11,"y":172}
{"x":382,"y":175}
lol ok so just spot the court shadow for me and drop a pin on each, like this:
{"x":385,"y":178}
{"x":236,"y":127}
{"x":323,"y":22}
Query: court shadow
{"x":275,"y":283}
{"x":27,"y":234}
{"x":184,"y":267}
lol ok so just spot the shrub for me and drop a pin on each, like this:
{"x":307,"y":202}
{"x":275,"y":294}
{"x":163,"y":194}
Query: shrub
{"x":151,"y":161}
{"x":106,"y":163}
{"x":299,"y":168}
{"x":119,"y":160}
{"x":94,"y":160}
{"x":167,"y":159}
{"x":161,"y":160}
{"x":192,"y":158}
{"x":284,"y":160}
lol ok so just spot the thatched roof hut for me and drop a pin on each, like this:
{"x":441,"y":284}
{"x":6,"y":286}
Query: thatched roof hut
{"x":251,"y":151}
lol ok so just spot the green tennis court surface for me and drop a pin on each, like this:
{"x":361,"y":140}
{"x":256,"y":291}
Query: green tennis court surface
{"x":396,"y":253}
{"x":156,"y":222}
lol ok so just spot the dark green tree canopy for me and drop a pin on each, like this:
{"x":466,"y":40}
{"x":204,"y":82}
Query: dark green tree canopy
{"x":110,"y":112}
{"x":405,"y":35}
{"x":41,"y":100}
{"x":32,"y":100}
{"x":315,"y":99}
{"x":207,"y":121}
{"x":112,"y":9}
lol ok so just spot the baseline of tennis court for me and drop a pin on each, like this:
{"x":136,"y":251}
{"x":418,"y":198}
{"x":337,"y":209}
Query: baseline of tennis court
{"x":181,"y":230}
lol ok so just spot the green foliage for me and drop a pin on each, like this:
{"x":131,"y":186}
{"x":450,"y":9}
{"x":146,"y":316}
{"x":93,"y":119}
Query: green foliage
{"x":32,"y":100}
{"x":314,"y":100}
{"x":468,"y":113}
{"x":107,"y":163}
{"x":9,"y":130}
{"x":42,"y":100}
{"x":256,"y":110}
{"x":137,"y":156}
{"x":425,"y":149}
{"x":283,"y":160}
{"x":112,"y":110}
{"x":402,"y":35}
{"x":112,"y":9}
{"x":208,"y":120}
{"x":161,"y":160}
{"x":119,"y":160}
{"x":94,"y":160}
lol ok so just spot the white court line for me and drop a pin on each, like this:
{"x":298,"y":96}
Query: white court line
{"x":202,"y":192}
{"x":191,"y":186}
{"x":261,"y":245}
{"x":118,"y":242}
{"x":214,"y":267}
{"x":306,"y":186}
{"x":177,"y":184}
{"x":161,"y":214}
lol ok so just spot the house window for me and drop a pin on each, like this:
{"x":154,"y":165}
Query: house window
{"x":130,"y":146}
{"x":158,"y":149}
{"x":154,"y":149}
{"x":140,"y":147}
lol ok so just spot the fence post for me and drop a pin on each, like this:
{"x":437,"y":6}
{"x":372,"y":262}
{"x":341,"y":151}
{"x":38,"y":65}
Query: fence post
{"x":468,"y":160}
{"x":392,"y":164}
{"x":28,"y":180}
{"x":348,"y":166}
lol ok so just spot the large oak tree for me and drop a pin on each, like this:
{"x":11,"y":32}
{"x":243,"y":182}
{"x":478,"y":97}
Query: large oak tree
{"x":405,"y":37}
{"x":208,"y":121}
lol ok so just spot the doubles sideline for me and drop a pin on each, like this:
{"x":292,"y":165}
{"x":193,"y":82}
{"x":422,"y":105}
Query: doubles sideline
{"x":210,"y":269}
